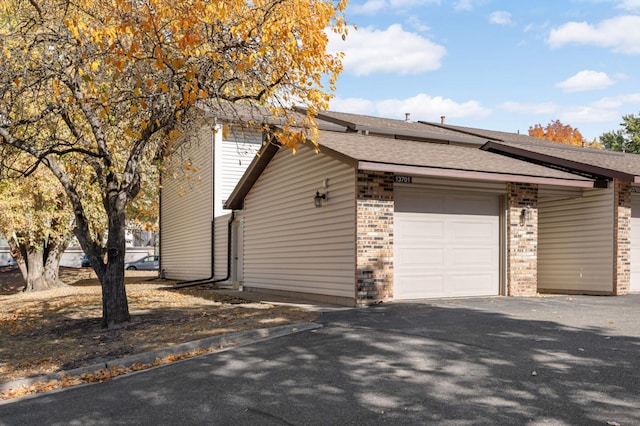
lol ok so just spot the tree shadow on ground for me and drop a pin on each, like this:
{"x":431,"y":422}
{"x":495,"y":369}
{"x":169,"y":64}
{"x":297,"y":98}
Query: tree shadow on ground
{"x":395,"y":364}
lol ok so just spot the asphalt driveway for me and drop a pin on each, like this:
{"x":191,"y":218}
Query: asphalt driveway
{"x":555,"y":360}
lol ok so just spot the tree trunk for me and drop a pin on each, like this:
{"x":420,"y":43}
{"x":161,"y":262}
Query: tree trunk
{"x":57,"y":246}
{"x":39,"y":267}
{"x":35,"y":271}
{"x":115,"y":308}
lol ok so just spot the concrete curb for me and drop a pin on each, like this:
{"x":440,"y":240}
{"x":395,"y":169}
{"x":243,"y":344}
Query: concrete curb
{"x":221,"y":342}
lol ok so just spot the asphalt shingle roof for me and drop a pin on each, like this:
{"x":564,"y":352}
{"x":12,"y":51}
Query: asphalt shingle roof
{"x":424,"y":154}
{"x":612,"y":161}
{"x":399,"y":128}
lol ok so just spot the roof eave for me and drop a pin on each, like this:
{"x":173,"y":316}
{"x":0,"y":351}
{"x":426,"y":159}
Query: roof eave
{"x":235,"y":201}
{"x":470,"y":174}
{"x":559,"y":162}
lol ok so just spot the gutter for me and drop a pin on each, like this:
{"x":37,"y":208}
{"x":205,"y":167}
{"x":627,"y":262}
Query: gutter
{"x":211,"y":279}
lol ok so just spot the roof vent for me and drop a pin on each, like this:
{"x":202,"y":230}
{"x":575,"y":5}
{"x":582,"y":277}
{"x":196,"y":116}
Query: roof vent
{"x":407,"y":117}
{"x":442,"y":117}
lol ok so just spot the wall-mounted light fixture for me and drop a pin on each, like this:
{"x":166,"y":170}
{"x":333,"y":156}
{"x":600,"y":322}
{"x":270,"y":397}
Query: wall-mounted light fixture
{"x":525,"y":215}
{"x":319,"y":198}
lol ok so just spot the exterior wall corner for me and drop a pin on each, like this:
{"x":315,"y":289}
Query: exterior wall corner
{"x":374,"y":238}
{"x":622,"y":237}
{"x":522,"y":239}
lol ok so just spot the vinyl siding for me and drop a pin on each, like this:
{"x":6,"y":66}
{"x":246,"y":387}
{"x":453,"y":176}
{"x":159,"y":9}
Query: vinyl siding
{"x":189,"y":203}
{"x":221,"y":238}
{"x":549,"y":192}
{"x":186,"y":211}
{"x":455,"y":185}
{"x":237,"y":152}
{"x":290,"y":245}
{"x":575,"y":246}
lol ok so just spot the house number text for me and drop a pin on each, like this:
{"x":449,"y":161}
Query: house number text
{"x":403,"y":179}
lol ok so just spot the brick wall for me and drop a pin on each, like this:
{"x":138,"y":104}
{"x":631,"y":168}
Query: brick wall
{"x":374,"y":269}
{"x":522,"y":240}
{"x":622,"y":237}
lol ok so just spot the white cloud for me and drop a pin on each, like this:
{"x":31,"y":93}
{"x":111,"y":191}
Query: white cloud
{"x":371,"y":7}
{"x":394,"y":50}
{"x":530,"y":108}
{"x":421,"y":107}
{"x":500,"y":17}
{"x":586,"y":80}
{"x":622,"y":34}
{"x":587,"y":114}
{"x":467,"y":5}
{"x":613,"y":102}
{"x":630,"y":5}
{"x":417,"y":24}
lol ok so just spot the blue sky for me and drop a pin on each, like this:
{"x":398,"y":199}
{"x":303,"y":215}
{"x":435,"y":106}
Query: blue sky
{"x":494,"y":64}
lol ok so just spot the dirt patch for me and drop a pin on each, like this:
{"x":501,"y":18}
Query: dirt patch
{"x":59,"y":329}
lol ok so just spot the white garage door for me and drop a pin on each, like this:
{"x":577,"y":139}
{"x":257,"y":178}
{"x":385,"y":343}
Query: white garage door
{"x":635,"y":244}
{"x":446,"y":245}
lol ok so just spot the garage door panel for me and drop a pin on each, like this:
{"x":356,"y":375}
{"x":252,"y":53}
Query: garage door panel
{"x":413,"y":228}
{"x":471,"y":284}
{"x":449,"y":252}
{"x":476,"y":257}
{"x":415,"y":286}
{"x":473,"y":230}
{"x":421,"y":256}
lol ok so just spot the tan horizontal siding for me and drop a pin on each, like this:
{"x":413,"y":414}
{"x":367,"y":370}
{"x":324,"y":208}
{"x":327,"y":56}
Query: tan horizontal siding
{"x":185,"y":234}
{"x":220,"y":254}
{"x":548,"y":192}
{"x":290,"y":245}
{"x":445,"y":184}
{"x":575,"y":246}
{"x":237,"y":153}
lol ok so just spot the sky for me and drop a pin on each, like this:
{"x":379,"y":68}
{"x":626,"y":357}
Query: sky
{"x":493,"y":64}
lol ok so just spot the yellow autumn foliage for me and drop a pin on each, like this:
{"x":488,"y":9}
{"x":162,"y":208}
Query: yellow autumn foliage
{"x":96,"y":90}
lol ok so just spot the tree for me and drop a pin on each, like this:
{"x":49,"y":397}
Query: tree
{"x":626,"y":139}
{"x":558,"y":132}
{"x":36,"y":219}
{"x":97,"y":91}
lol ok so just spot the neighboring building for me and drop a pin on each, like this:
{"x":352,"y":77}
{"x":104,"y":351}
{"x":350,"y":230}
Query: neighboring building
{"x":139,"y":244}
{"x":410,"y":210}
{"x":197,"y":177}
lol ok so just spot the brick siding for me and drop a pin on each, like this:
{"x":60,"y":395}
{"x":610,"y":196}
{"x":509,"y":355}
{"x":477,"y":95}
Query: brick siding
{"x":522,"y":240}
{"x":374,"y":269}
{"x":622,"y":237}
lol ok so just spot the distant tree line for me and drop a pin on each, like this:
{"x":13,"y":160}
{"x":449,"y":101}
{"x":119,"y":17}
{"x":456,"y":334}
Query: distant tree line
{"x":626,"y":139}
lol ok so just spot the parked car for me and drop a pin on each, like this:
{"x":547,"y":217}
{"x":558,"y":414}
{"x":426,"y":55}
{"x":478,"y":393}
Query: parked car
{"x":85,"y":261}
{"x":12,"y":262}
{"x":148,"y":263}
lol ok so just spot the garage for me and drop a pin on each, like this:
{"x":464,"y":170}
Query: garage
{"x":635,"y":243}
{"x":446,"y":244}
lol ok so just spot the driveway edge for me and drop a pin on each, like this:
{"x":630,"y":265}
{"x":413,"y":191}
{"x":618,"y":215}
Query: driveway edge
{"x":221,"y":342}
